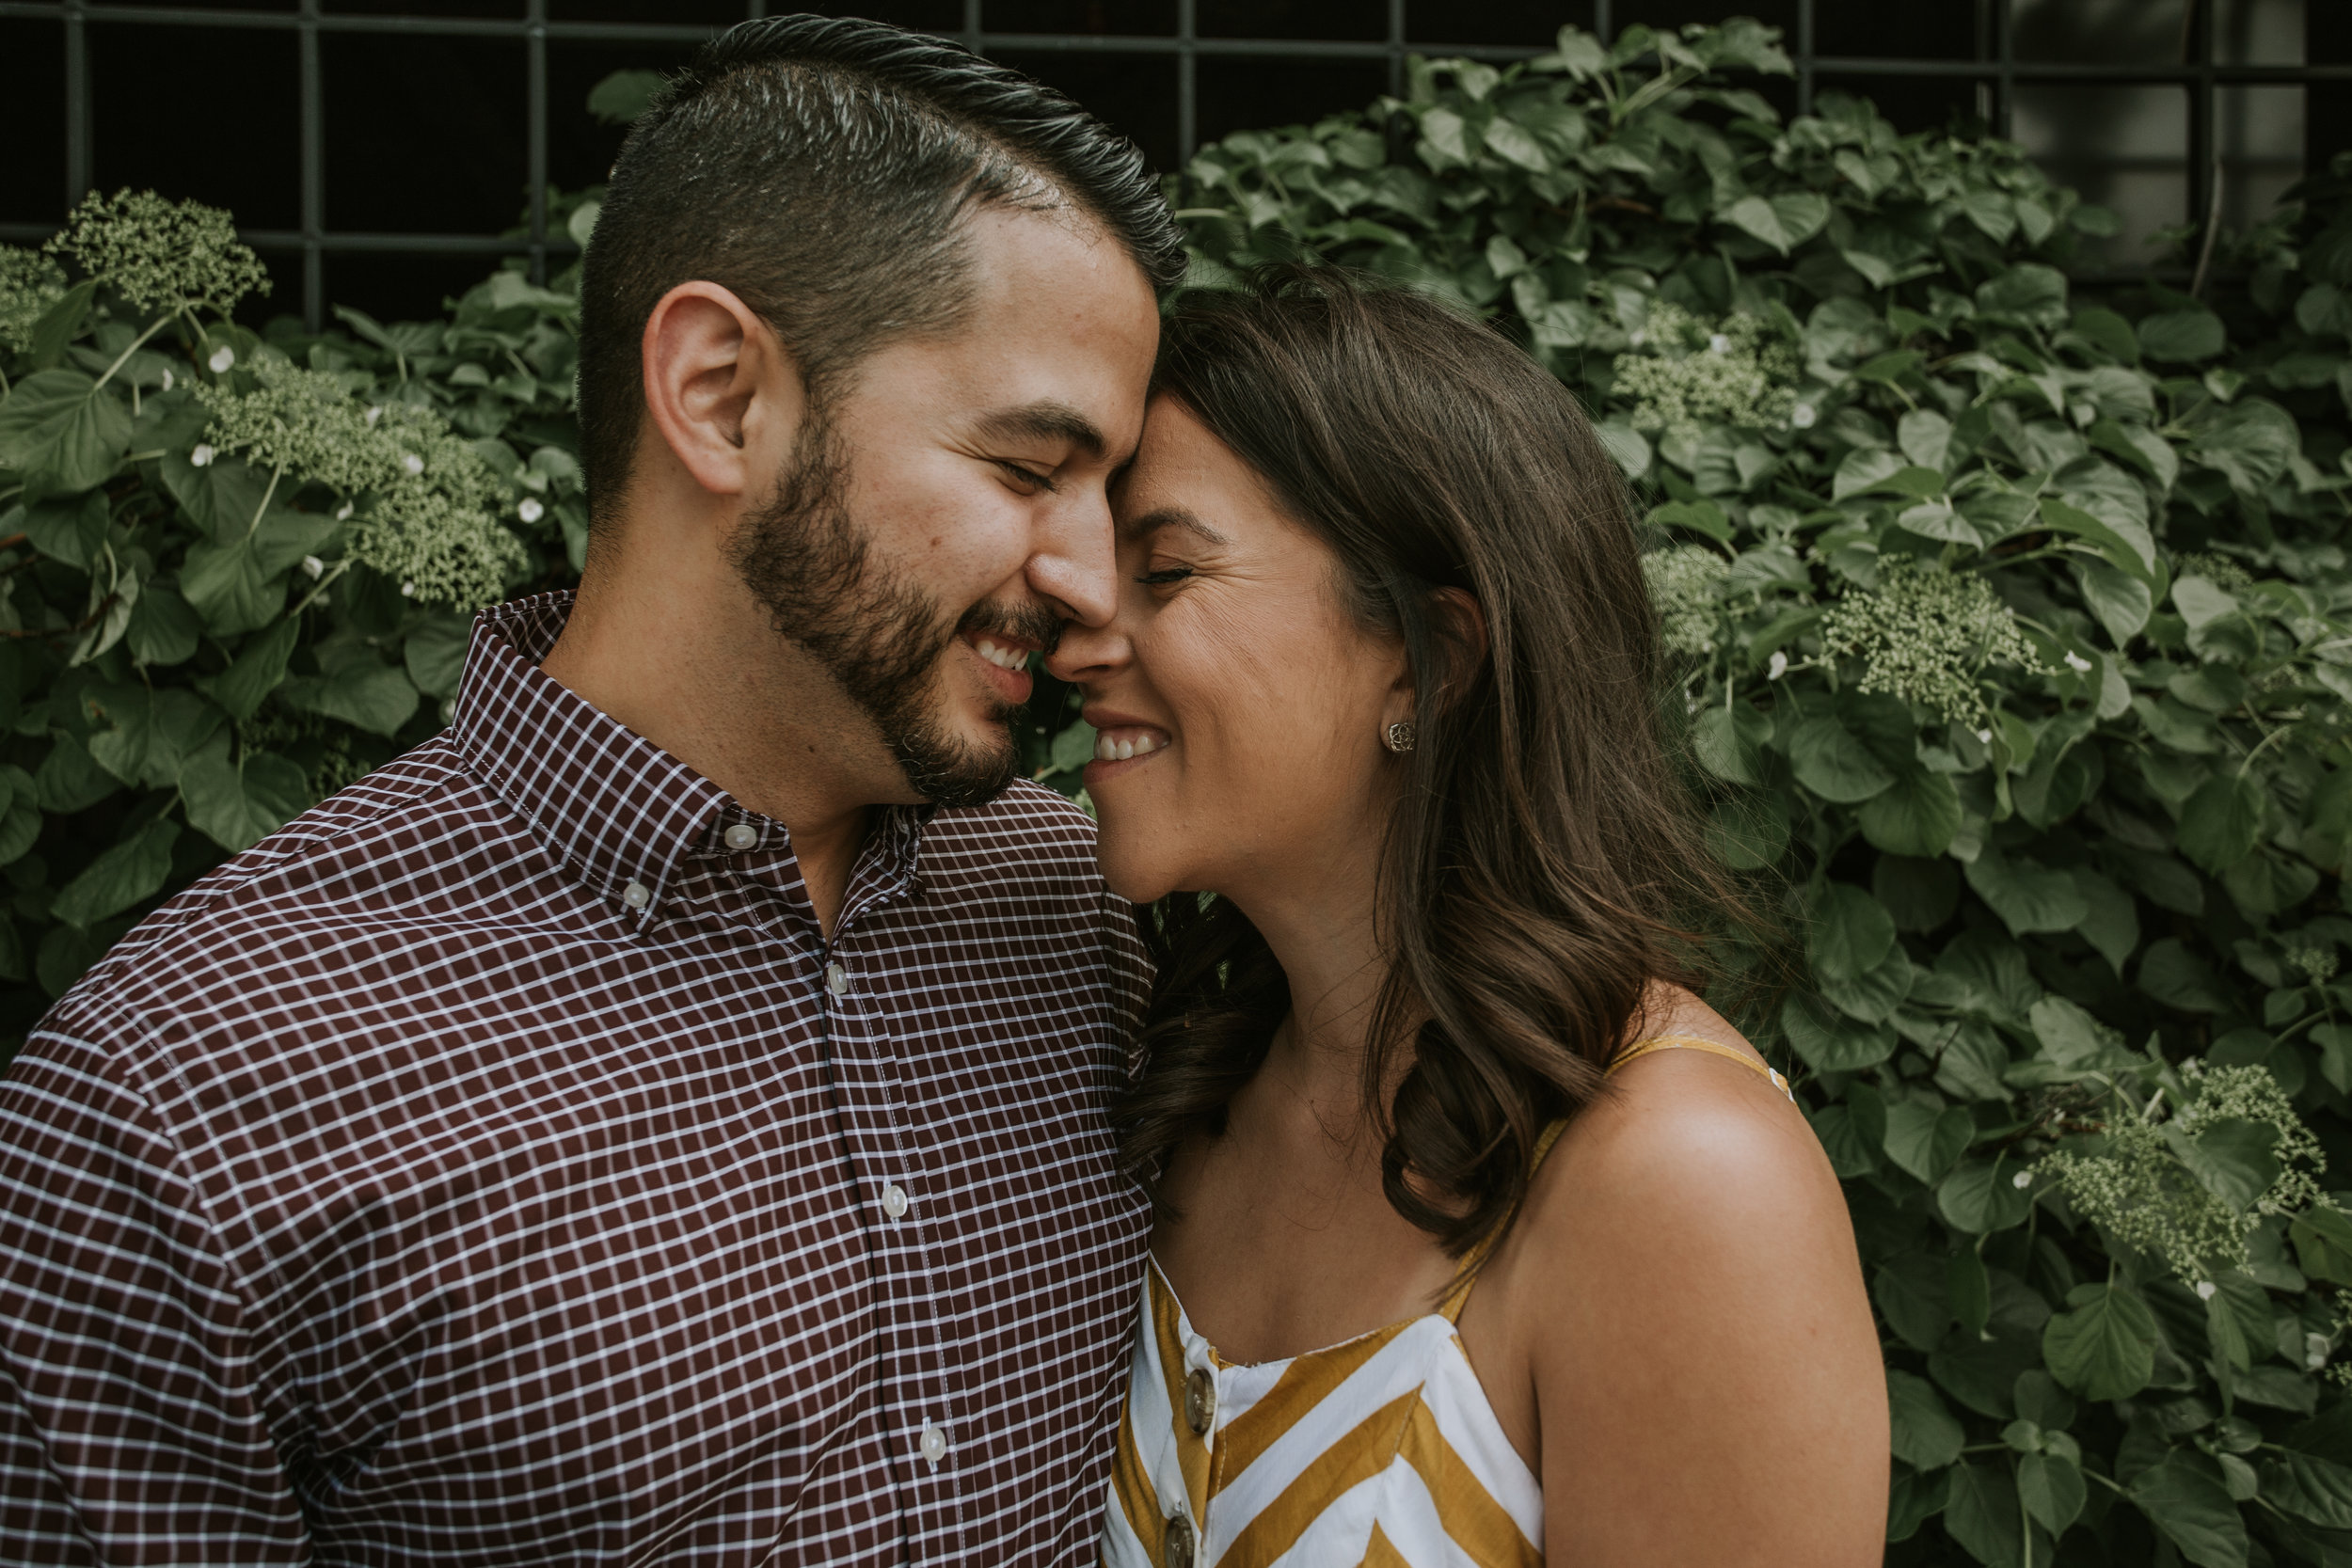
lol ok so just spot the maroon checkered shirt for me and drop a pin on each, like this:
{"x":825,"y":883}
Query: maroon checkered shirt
{"x":497,"y":1166}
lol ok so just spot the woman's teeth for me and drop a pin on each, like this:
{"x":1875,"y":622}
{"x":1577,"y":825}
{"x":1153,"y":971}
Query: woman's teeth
{"x":1003,"y":657}
{"x":1119,"y":744}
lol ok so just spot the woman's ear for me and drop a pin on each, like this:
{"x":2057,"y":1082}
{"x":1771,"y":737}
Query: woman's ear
{"x":1459,"y":632}
{"x":1460,"y":629}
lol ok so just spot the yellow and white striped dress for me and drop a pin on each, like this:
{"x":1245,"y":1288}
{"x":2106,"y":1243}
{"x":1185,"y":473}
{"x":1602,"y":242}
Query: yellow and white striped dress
{"x":1380,"y":1450}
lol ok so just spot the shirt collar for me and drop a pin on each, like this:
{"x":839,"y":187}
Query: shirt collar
{"x":620,"y":812}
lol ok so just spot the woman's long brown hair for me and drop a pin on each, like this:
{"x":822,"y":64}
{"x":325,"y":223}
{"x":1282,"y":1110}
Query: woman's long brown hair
{"x":1544,"y":864}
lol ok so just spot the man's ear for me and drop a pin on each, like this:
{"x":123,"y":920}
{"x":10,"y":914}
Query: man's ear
{"x":723,"y":393}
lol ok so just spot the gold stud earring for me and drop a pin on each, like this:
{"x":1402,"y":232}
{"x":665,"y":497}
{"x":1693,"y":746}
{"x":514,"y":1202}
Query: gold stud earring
{"x":1399,"y":737}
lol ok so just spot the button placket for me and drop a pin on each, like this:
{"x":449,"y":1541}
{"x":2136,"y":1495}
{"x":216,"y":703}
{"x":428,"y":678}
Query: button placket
{"x":916,"y":1384}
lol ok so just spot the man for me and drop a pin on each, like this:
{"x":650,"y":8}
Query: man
{"x":660,"y":1118}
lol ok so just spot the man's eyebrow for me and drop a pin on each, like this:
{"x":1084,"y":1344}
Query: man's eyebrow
{"x":1169,"y":516}
{"x":1044,"y":421}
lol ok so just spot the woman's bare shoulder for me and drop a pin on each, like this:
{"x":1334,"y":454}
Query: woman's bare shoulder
{"x":1685,"y":1280}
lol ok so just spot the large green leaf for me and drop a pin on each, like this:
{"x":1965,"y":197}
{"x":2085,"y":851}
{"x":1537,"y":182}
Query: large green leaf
{"x":1926,"y":1435}
{"x":2191,"y":1505}
{"x":123,"y":873}
{"x":1829,"y":760}
{"x":2223,"y":820}
{"x":2026,"y":896}
{"x":1982,"y":1515}
{"x":1917,"y":817}
{"x":1983,"y":1197}
{"x":1851,"y":933}
{"x":2182,"y":335}
{"x":2122,"y":542}
{"x":2103,"y":1346}
{"x":2318,"y":1489}
{"x":255,"y":672}
{"x":149,"y":733}
{"x":365,"y":693}
{"x":2053,"y":1490}
{"x":1783,"y":222}
{"x":1925,"y":1139}
{"x":70,"y":529}
{"x":2030,"y":293}
{"x":62,"y":426}
{"x":237,"y":803}
{"x":1830,"y":1042}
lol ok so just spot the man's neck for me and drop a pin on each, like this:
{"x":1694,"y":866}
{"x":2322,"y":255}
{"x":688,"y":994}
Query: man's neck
{"x":680,"y":653}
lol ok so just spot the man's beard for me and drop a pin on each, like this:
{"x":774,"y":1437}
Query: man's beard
{"x":878,"y":635}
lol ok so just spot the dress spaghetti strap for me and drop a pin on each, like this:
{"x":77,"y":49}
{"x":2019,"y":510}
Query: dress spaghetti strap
{"x":1694,"y":1042}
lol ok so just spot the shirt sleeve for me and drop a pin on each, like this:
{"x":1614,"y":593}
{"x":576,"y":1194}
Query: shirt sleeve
{"x":130,"y":1430}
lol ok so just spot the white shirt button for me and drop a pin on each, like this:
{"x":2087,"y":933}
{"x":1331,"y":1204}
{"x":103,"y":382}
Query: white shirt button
{"x":836,"y":980}
{"x":894,"y":1200}
{"x":636,"y":896}
{"x":934,"y":1444}
{"x":742,"y":836}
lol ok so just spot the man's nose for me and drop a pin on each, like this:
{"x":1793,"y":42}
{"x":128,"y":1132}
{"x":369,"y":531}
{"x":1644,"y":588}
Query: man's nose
{"x":1073,"y":563}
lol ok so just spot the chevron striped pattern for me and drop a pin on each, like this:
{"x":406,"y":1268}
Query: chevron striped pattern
{"x":1381,"y":1451}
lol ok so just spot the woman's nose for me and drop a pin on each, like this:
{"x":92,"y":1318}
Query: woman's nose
{"x":1088,"y":653}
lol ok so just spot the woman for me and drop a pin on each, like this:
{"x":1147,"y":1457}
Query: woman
{"x":1434,"y":1280}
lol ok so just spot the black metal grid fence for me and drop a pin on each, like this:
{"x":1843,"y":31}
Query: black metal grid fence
{"x":1990,"y":69}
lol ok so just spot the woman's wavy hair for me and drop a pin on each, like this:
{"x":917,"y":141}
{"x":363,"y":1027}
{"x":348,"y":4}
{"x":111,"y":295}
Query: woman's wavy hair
{"x":1544,"y":863}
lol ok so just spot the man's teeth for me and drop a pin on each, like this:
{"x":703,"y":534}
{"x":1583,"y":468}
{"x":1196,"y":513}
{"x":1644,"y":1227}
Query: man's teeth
{"x":1003,"y":657}
{"x":1110,"y":748}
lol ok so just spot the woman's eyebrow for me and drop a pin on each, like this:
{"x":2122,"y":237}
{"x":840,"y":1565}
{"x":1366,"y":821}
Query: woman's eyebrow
{"x":1169,"y":516}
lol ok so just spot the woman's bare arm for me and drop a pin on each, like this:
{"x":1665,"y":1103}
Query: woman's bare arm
{"x":1707,"y":1379}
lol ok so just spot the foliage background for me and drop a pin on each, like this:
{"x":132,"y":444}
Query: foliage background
{"x":2018,"y":640}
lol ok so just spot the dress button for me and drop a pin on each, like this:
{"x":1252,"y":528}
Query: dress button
{"x":1177,"y":1552}
{"x":742,"y":836}
{"x":836,"y":980}
{"x":636,"y":896}
{"x":1200,"y":1401}
{"x":934,"y":1444}
{"x":894,"y":1200}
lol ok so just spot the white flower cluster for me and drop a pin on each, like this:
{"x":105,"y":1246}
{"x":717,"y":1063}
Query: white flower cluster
{"x":161,"y":255}
{"x":1686,"y":373}
{"x":2141,"y":1193}
{"x":2219,"y":570}
{"x":426,"y":504}
{"x":1685,"y":585}
{"x":1926,"y":636}
{"x":30,"y":283}
{"x":2318,"y":963}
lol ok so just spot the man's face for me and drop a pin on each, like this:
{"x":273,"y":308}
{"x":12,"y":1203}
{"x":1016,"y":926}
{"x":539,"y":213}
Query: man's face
{"x":945,"y":511}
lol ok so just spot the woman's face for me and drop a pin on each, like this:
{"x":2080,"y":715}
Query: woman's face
{"x":1240,"y":706}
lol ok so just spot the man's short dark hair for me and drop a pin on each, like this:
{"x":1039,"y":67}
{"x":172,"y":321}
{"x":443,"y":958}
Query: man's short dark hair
{"x":820,"y":168}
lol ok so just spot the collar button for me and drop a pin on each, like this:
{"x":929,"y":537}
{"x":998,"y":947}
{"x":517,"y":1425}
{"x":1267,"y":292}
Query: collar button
{"x":636,"y":896}
{"x":742,"y":836}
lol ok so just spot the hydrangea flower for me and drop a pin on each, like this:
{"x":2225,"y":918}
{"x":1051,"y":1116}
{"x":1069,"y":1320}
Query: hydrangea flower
{"x":160,"y":255}
{"x":426,"y":504}
{"x":30,"y":283}
{"x":1688,"y":372}
{"x":1684,"y":583}
{"x":2138,"y":1191}
{"x":1926,"y":636}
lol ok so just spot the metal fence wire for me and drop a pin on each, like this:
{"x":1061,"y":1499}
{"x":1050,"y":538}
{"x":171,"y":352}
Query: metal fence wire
{"x":1996,"y":73}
